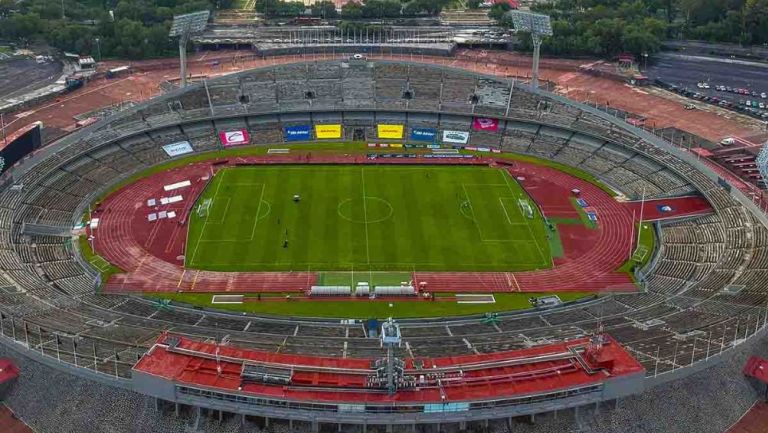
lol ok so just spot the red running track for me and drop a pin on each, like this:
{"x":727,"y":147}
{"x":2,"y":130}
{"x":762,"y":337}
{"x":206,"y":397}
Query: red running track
{"x":682,"y":207}
{"x":151,"y":253}
{"x":755,"y":420}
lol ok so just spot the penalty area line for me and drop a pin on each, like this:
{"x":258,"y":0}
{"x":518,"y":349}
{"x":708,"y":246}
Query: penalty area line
{"x":258,"y":211}
{"x":202,"y":230}
{"x":506,"y":175}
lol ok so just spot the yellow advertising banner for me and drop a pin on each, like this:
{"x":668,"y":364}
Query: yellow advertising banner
{"x":390,"y":131}
{"x":327,"y":131}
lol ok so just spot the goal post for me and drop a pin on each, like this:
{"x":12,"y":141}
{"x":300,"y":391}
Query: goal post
{"x":525,"y":207}
{"x":204,"y":207}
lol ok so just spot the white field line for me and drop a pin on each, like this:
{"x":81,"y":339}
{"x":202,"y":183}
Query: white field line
{"x":258,"y":210}
{"x":535,"y":241}
{"x":504,"y":208}
{"x":213,"y":200}
{"x":365,"y":219}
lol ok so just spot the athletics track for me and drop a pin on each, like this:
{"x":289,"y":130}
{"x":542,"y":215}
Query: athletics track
{"x":151,"y":253}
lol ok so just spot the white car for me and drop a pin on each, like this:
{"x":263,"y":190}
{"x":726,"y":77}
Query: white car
{"x":763,"y":95}
{"x":727,"y":141}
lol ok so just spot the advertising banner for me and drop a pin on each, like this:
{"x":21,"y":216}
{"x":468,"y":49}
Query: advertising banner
{"x":390,"y":131}
{"x":460,"y":137}
{"x":391,"y":155}
{"x":327,"y":131}
{"x":423,"y":134}
{"x":234,"y":138}
{"x":485,"y":124}
{"x":176,"y":149}
{"x":297,"y":133}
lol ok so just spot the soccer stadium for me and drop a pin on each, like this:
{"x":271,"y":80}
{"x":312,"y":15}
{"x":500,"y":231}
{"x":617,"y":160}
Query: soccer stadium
{"x":375,"y":245}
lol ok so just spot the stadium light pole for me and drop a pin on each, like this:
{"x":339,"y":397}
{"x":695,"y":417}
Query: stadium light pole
{"x":183,"y":27}
{"x":538,"y":25}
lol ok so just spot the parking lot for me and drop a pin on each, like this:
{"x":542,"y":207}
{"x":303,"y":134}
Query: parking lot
{"x":734,"y":84}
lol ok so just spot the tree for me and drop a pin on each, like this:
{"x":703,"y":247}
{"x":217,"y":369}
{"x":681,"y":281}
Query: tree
{"x":382,"y":9}
{"x":266,"y":7}
{"x":474,"y":4}
{"x":638,"y":40}
{"x":23,"y":27}
{"x":352,"y":10}
{"x":6,"y":6}
{"x":756,"y":21}
{"x":325,"y":9}
{"x":498,"y":10}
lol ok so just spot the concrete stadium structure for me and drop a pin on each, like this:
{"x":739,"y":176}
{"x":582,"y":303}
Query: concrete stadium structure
{"x":703,"y":292}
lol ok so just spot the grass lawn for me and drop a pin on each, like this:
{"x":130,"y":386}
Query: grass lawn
{"x":644,"y":250}
{"x":105,"y":268}
{"x":366,"y":309}
{"x":355,"y":217}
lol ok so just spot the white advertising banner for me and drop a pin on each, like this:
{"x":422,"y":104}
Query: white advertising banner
{"x":460,"y":137}
{"x":176,"y":149}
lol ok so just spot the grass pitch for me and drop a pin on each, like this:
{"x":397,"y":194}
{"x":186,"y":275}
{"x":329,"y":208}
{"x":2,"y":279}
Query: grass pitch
{"x":364,"y":309}
{"x":363,"y":217}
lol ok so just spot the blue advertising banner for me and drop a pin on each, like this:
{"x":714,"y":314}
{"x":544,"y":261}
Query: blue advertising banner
{"x":423,"y":134}
{"x":298,"y":133}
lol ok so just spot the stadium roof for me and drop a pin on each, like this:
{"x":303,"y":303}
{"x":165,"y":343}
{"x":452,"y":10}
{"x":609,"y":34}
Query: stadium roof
{"x":515,"y":373}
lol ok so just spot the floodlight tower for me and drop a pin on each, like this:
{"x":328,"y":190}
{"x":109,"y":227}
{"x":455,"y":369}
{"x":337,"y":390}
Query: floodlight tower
{"x":762,"y":165}
{"x":185,"y":26}
{"x":538,"y":26}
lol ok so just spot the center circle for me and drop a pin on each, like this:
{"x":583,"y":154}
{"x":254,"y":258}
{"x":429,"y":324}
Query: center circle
{"x":372,"y":210}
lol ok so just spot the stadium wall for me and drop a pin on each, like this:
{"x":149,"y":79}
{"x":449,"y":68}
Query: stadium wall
{"x":611,"y":389}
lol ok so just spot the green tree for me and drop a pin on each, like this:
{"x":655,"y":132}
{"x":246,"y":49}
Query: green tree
{"x":498,"y":10}
{"x":325,"y":9}
{"x":756,"y":21}
{"x":352,"y":10}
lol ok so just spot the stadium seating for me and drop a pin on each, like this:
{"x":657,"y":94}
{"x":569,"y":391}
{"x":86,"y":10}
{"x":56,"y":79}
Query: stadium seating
{"x":684,"y":293}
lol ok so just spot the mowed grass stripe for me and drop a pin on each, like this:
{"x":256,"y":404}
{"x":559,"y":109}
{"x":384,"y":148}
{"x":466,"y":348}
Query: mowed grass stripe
{"x":365,"y":218}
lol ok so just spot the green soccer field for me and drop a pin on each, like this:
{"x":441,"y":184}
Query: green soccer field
{"x":359,"y":218}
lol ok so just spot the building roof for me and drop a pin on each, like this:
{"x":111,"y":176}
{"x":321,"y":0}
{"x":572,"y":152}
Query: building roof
{"x":757,"y":367}
{"x":511,"y":374}
{"x":8,"y":370}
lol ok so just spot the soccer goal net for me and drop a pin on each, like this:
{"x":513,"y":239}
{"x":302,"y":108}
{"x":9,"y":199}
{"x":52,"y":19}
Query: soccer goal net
{"x":525,"y":207}
{"x":639,"y":254}
{"x":204,"y":207}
